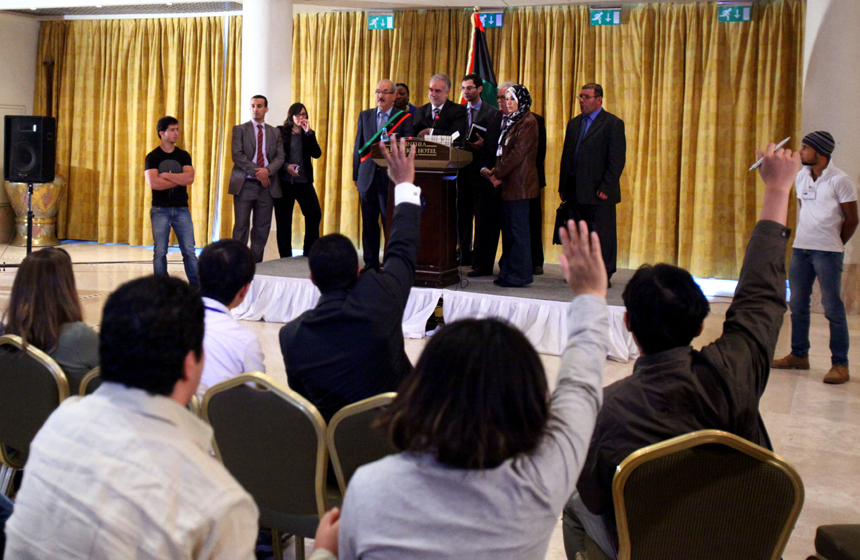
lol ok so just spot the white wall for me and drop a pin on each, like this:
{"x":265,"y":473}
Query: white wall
{"x":831,"y":87}
{"x":19,"y":38}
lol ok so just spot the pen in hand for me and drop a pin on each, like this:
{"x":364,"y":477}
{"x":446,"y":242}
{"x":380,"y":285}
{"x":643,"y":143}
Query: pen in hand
{"x":757,"y":164}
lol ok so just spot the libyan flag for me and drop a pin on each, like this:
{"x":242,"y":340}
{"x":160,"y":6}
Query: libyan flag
{"x":480,"y":63}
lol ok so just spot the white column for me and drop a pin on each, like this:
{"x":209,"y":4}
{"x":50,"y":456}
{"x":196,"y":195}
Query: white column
{"x":267,"y":54}
{"x":830,"y":87}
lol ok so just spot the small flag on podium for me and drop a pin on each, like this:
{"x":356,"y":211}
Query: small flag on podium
{"x":480,"y":63}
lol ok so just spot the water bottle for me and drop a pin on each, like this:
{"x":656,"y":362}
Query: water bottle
{"x":383,"y":135}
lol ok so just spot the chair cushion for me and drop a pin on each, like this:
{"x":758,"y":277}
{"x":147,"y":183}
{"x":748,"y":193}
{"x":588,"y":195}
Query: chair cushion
{"x":838,"y":542}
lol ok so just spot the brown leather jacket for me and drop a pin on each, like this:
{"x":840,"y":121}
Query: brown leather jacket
{"x":517,"y":166}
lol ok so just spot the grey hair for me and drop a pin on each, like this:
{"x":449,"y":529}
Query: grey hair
{"x":443,"y":77}
{"x":509,"y":84}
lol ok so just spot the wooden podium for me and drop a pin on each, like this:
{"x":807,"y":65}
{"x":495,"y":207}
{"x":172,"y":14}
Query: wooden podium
{"x":436,"y":168}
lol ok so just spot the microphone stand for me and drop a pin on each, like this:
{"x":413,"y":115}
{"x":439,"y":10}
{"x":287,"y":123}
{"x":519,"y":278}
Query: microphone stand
{"x":29,"y":218}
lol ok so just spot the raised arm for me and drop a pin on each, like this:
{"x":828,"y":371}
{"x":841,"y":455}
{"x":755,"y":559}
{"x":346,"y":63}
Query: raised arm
{"x":755,"y":316}
{"x":578,"y":395}
{"x":398,"y":268}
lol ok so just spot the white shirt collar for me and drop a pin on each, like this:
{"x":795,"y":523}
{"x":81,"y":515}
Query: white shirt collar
{"x":215,"y":305}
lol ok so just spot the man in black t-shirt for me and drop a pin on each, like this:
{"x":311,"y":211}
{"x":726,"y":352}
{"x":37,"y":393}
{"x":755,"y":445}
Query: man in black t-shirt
{"x":168,"y":173}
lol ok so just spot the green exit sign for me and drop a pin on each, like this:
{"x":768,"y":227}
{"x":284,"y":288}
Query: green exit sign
{"x":606,"y":17}
{"x":380,"y":22}
{"x":491,"y":20}
{"x":734,"y":13}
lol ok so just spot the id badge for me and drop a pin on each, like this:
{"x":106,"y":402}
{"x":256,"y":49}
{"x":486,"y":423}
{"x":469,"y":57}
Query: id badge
{"x":808,"y":194}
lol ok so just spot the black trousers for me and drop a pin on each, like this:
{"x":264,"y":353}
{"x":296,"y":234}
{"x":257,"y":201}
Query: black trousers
{"x":467,"y":186}
{"x":536,"y":230}
{"x":306,"y":196}
{"x":600,"y":218}
{"x":374,"y":203}
{"x":488,"y":225}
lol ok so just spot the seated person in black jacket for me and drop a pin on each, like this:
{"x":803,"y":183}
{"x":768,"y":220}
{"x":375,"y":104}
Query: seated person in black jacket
{"x":350,"y":346}
{"x":674,"y":389}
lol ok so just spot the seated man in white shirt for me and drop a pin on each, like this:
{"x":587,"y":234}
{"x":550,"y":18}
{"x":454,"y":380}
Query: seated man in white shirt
{"x":126,"y":472}
{"x":225,"y":271}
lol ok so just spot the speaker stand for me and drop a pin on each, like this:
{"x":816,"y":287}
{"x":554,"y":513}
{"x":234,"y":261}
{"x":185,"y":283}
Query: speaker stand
{"x":29,"y":218}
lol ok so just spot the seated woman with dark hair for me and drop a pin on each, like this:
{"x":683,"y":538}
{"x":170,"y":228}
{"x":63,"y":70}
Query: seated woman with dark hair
{"x":487,"y":458}
{"x":44,"y":310}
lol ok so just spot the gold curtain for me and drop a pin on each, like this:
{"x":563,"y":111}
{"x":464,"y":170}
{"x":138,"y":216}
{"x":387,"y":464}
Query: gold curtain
{"x":697,"y":98}
{"x":113,"y":80}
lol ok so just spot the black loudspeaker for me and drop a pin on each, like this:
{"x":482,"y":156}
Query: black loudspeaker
{"x":31,"y":149}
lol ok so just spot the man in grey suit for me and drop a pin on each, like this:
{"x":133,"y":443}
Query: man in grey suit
{"x":258,"y":154}
{"x":370,"y":179}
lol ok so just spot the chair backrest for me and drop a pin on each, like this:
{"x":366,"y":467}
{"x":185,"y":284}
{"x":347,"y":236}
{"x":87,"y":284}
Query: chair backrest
{"x":32,"y":386}
{"x":353,"y":441}
{"x":272,"y":440}
{"x":90,"y":382}
{"x":705,"y":495}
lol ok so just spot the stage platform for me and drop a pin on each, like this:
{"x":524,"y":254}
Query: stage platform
{"x":282,"y":290}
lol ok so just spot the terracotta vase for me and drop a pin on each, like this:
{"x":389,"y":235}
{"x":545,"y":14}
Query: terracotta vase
{"x":46,"y":203}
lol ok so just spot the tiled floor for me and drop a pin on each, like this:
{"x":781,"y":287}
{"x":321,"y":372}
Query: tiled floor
{"x":814,"y":426}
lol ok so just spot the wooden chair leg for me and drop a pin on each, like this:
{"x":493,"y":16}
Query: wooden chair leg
{"x":277,"y":552}
{"x":300,"y":548}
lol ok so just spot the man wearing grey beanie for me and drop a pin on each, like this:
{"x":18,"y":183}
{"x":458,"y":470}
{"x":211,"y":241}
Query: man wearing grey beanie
{"x":826,"y":220}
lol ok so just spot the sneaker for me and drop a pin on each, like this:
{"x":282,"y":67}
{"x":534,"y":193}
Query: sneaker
{"x":837,"y":375}
{"x":790,"y":362}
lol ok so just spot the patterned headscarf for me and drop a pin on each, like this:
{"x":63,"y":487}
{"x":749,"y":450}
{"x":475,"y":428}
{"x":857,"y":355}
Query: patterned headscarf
{"x":524,"y":102}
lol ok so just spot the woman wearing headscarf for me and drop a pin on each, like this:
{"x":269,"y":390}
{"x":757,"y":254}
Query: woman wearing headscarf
{"x":516,"y":174}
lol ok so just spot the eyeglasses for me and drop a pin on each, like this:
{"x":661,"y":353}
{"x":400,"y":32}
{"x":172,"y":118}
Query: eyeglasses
{"x":500,"y":98}
{"x":383,"y":92}
{"x":587,"y":97}
{"x":302,"y":114}
{"x":468,"y":88}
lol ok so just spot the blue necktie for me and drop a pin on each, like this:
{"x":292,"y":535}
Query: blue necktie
{"x":583,"y":128}
{"x":381,"y":120}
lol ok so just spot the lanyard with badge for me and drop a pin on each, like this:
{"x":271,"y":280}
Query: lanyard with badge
{"x":808,"y":193}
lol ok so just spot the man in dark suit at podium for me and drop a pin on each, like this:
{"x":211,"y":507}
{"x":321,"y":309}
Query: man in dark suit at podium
{"x":595,"y":149}
{"x":441,"y":117}
{"x":480,"y":114}
{"x":370,"y":179}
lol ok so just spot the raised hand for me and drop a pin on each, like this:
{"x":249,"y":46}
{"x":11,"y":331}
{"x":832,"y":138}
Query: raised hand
{"x":582,"y":261}
{"x":401,"y":167}
{"x":778,"y":171}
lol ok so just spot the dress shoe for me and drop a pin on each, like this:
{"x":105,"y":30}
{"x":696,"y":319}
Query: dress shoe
{"x":478,"y":272}
{"x":837,"y":375}
{"x":791,"y":362}
{"x":608,"y":284}
{"x":497,"y":281}
{"x":506,"y":284}
{"x":537,"y":271}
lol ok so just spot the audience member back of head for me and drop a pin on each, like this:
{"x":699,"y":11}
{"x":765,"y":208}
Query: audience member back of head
{"x":487,"y":460}
{"x":44,"y":310}
{"x":126,"y":472}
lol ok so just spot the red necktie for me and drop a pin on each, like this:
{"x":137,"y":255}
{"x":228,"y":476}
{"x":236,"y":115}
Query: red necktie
{"x":260,"y":161}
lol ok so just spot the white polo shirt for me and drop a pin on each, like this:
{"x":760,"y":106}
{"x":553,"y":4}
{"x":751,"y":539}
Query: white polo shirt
{"x":231,"y":348}
{"x":819,"y":218}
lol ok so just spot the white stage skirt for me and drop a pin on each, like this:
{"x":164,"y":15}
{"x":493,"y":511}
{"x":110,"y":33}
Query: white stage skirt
{"x":281,"y":299}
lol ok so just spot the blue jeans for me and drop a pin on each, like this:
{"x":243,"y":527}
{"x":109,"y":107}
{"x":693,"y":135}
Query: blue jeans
{"x":577,"y":521}
{"x":827,"y":266}
{"x":163,"y":218}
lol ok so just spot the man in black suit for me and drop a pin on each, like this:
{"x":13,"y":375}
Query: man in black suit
{"x":488,"y":225}
{"x":592,"y":160}
{"x":468,"y":180}
{"x":535,"y":208}
{"x":370,"y":179}
{"x":441,"y":117}
{"x":350,"y":346}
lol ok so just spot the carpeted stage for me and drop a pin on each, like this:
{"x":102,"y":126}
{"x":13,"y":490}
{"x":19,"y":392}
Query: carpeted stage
{"x":281,"y":290}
